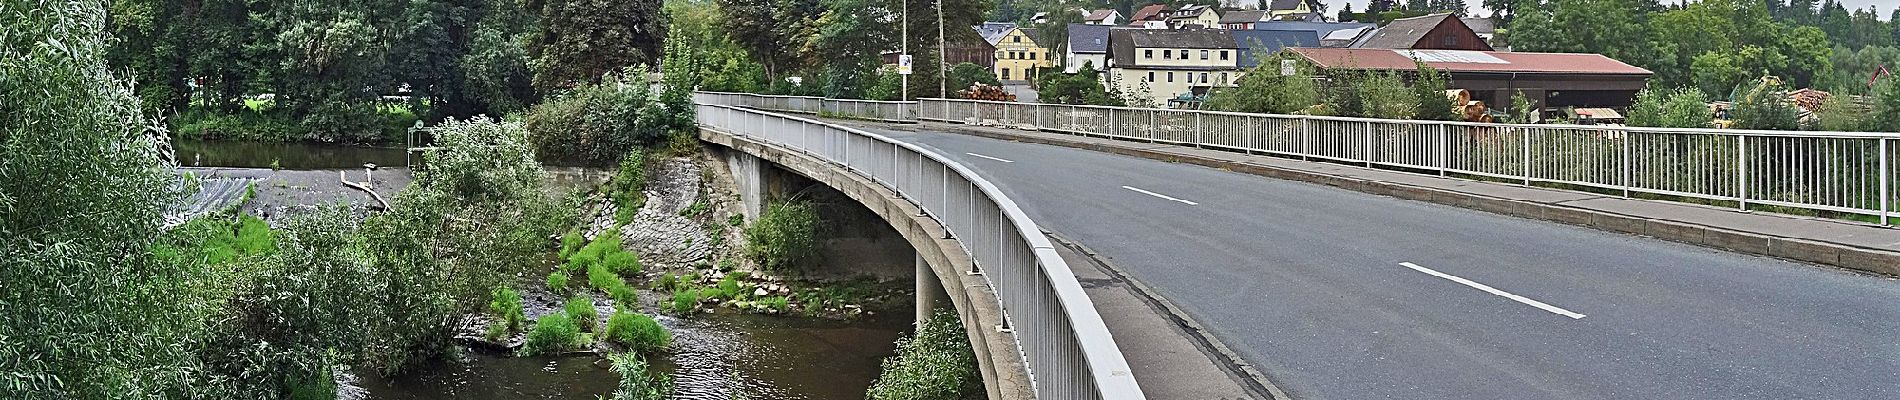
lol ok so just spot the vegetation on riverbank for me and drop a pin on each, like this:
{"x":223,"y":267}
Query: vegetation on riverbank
{"x":935,"y":364}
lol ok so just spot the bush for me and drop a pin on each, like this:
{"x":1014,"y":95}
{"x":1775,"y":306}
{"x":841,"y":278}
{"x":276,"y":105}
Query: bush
{"x":778,"y":304}
{"x":1681,"y":107}
{"x":635,"y":382}
{"x":638,"y":332}
{"x":600,"y":123}
{"x":785,"y":236}
{"x":729,"y":287}
{"x":553,"y":333}
{"x":580,"y":309}
{"x":1263,"y":90}
{"x":936,"y":364}
{"x":1764,"y":106}
{"x":506,"y":305}
{"x":557,"y":282}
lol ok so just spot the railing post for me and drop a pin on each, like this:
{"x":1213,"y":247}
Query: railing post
{"x":1111,"y":123}
{"x":1741,"y":171}
{"x":1307,"y":138}
{"x":1365,"y":149}
{"x":1444,"y":150}
{"x":1526,"y":160}
{"x":1627,"y":181}
{"x":1200,"y":132}
{"x":1153,"y":129}
{"x":1886,"y":178}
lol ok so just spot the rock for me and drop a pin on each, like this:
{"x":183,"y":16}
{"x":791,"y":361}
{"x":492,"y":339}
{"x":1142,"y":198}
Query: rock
{"x":760,"y":292}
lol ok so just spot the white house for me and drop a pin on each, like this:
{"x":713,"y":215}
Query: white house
{"x":1102,"y":17}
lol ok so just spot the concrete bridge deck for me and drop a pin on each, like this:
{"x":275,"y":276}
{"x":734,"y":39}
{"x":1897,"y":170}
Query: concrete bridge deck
{"x":1333,"y":293}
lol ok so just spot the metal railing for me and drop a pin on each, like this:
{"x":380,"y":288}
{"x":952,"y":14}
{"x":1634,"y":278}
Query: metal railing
{"x":1065,"y":346}
{"x":1844,"y":172}
{"x":887,"y":111}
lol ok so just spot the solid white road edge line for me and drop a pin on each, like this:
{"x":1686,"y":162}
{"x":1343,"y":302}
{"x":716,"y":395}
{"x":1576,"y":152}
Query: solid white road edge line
{"x":1160,"y":195}
{"x":1488,"y":289}
{"x":992,"y":158}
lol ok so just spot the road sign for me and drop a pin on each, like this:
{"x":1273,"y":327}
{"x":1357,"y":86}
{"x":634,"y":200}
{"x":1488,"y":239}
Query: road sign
{"x":1286,"y":68}
{"x":903,"y":64}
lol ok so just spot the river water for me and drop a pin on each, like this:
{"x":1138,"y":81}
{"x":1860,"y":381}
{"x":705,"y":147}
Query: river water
{"x":713,"y":356}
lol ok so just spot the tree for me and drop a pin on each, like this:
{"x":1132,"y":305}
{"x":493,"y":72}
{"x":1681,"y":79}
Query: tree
{"x":1614,"y":28}
{"x":774,"y":32}
{"x":852,"y":34}
{"x":1429,"y":86}
{"x":1886,"y":107}
{"x":580,"y":41}
{"x":84,"y":184}
{"x":1263,"y":90}
{"x":966,"y":74}
{"x":1765,"y":106}
{"x":1082,"y":87}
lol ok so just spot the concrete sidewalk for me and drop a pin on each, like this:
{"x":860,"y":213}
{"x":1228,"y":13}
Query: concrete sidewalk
{"x":1845,"y":244}
{"x":1171,"y":355}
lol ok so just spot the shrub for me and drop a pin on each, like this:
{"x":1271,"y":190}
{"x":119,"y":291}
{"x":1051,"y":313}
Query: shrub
{"x":1764,"y":106}
{"x":506,"y":304}
{"x":935,"y":364}
{"x":1681,"y":107}
{"x":729,"y":287}
{"x":557,"y":282}
{"x":682,"y":144}
{"x":599,"y":123}
{"x":580,"y":309}
{"x":776,"y":303}
{"x":553,"y":333}
{"x":785,"y":236}
{"x":622,"y":262}
{"x":635,"y":382}
{"x":628,"y":186}
{"x":638,"y":332}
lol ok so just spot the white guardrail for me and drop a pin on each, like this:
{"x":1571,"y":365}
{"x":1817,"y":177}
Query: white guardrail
{"x":1844,"y":172}
{"x":887,"y":111}
{"x":1065,"y":346}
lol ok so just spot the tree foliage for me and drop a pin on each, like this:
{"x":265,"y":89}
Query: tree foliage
{"x":1681,"y":107}
{"x":1082,"y":87}
{"x":1263,"y":90}
{"x":580,"y":41}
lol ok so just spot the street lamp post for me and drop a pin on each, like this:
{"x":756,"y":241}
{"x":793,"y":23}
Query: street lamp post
{"x":943,"y":57}
{"x":904,"y":94}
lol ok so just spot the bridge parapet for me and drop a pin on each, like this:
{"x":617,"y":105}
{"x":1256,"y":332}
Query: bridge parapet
{"x":1065,"y":347}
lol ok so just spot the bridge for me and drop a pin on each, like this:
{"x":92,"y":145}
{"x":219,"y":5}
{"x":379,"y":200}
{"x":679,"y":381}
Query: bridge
{"x":1348,"y":258}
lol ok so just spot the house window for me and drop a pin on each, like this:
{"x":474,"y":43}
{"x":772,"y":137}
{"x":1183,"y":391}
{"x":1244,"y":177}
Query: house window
{"x":1451,"y":40}
{"x":1170,"y":76}
{"x":1223,"y":78}
{"x":1223,"y":55}
{"x":1151,"y":76}
{"x":1006,"y":74}
{"x":1167,"y":54}
{"x":1203,"y":54}
{"x":1032,"y":55}
{"x":1184,"y":54}
{"x":1017,"y":39}
{"x":1149,"y":53}
{"x":1203,"y":77}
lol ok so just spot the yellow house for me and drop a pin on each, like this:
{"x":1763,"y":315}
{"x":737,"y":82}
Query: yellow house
{"x":1018,"y":57}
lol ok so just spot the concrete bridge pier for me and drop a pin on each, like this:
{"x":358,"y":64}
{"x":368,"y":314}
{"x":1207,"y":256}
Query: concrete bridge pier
{"x":749,"y":175}
{"x":929,"y":290}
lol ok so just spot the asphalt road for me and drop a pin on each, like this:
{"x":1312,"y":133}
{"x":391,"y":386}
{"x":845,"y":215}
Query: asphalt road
{"x":1337,"y":294}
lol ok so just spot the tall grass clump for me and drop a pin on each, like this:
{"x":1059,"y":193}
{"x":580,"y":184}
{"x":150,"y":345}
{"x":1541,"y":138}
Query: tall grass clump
{"x":580,"y":309}
{"x":640,"y":333}
{"x":552,"y":334}
{"x":636,"y":383}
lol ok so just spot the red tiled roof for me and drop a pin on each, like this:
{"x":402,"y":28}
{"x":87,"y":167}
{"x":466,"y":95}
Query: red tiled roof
{"x":1468,"y":61}
{"x":1149,"y":12}
{"x":1098,"y":15}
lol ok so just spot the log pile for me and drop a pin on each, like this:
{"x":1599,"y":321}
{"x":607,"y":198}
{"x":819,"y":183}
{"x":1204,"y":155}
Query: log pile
{"x":985,"y":92}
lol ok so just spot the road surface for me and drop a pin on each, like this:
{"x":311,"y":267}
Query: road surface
{"x":1337,"y":294}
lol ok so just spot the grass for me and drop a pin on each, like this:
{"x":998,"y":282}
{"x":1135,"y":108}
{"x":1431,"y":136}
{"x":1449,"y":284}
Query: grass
{"x":640,"y":333}
{"x":505,"y":303}
{"x":580,"y":309}
{"x":557,"y":282}
{"x":628,"y":186}
{"x":635,"y":382}
{"x":553,"y":333}
{"x":685,"y":299}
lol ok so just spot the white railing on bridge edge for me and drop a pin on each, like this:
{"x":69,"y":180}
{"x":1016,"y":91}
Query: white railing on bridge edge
{"x":1845,"y":172}
{"x":1065,"y":346}
{"x":887,"y":111}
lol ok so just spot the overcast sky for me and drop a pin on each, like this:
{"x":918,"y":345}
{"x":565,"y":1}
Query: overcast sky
{"x":1477,"y":6}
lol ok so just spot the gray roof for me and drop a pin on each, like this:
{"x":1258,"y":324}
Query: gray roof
{"x":1403,"y":33}
{"x":1123,"y":42}
{"x":1320,"y":28}
{"x":1480,"y":25}
{"x":1284,"y":5}
{"x":1243,"y":16}
{"x":1085,"y":38}
{"x":1269,"y":42}
{"x":994,"y":31}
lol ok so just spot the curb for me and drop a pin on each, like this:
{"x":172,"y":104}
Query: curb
{"x":1856,"y":258}
{"x":1257,"y":380}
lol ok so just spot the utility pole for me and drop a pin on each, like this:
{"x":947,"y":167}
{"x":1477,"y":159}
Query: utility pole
{"x":904,"y":94}
{"x":943,"y":58}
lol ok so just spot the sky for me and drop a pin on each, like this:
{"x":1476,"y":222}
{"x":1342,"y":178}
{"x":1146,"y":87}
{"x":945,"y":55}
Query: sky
{"x":1477,"y":6}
